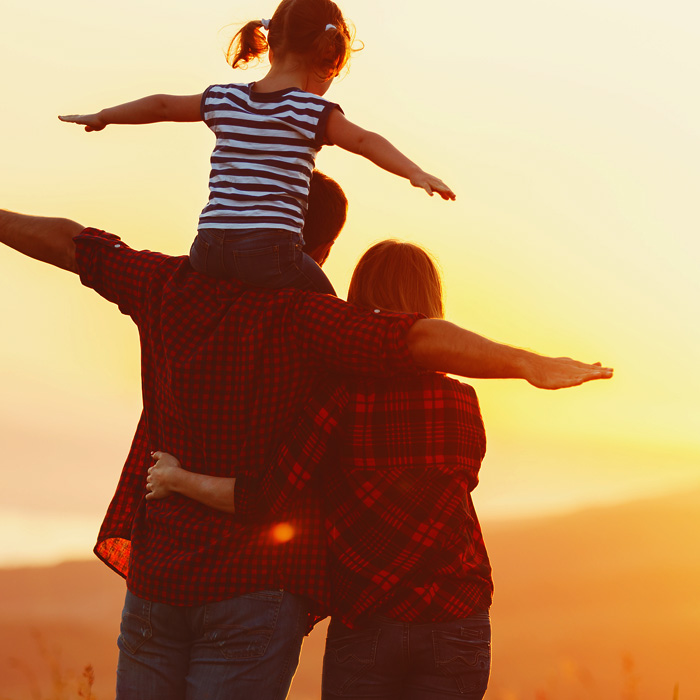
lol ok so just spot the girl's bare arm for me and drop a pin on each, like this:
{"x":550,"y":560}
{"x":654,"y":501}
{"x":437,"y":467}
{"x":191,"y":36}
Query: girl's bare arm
{"x":147,"y":110}
{"x":381,"y":152}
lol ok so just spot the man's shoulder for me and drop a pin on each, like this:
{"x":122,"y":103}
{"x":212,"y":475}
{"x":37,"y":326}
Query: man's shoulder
{"x":297,"y":305}
{"x":115,"y":270}
{"x":109,"y":244}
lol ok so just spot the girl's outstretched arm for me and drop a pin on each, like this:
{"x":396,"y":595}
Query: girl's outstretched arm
{"x":381,"y":152}
{"x":147,"y":110}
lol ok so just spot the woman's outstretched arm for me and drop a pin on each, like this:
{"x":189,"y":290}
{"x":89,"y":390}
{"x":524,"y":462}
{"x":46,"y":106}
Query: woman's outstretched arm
{"x":444,"y":347}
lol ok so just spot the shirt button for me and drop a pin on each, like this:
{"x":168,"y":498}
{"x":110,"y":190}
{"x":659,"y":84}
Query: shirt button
{"x":377,"y":311}
{"x":117,"y":245}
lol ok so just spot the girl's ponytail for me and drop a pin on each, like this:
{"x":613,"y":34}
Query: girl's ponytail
{"x":247,"y":45}
{"x":331,"y":50}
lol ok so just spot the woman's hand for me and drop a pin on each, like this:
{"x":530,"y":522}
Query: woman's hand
{"x":163,"y":475}
{"x":562,"y":372}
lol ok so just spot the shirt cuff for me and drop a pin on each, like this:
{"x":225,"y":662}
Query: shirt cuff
{"x":86,"y":244}
{"x":395,"y":347}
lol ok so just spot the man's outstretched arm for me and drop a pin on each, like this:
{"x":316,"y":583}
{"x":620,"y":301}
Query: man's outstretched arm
{"x":443,"y":347}
{"x":43,"y":238}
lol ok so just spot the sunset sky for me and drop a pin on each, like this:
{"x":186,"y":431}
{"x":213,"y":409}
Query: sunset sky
{"x":570,"y":132}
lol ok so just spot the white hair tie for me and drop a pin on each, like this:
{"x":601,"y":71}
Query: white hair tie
{"x":265,"y":23}
{"x":330,"y":26}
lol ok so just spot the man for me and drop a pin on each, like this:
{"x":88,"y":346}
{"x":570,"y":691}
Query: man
{"x":216,"y":609}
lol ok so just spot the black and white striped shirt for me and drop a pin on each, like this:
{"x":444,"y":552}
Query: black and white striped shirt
{"x":266,"y":144}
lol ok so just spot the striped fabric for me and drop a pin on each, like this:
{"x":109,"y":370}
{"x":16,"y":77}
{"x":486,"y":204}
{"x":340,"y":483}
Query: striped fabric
{"x":266,"y":145}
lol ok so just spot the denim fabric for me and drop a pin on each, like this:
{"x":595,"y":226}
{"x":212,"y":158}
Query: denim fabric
{"x":262,"y":259}
{"x":391,"y":660}
{"x":243,"y":647}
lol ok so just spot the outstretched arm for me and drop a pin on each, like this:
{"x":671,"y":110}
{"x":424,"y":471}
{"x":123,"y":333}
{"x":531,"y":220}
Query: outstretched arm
{"x":43,"y":238}
{"x":443,"y":347}
{"x":147,"y":110}
{"x":381,"y":152}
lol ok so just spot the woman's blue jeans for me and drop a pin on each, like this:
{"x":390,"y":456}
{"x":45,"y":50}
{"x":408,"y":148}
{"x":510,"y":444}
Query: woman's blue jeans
{"x":390,"y":660}
{"x":243,"y":647}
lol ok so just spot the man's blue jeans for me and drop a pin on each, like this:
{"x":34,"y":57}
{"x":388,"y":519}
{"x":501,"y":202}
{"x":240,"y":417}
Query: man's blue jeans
{"x":243,"y":647}
{"x":390,"y":660}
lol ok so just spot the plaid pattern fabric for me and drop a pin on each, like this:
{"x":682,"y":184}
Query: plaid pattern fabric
{"x":225,"y":369}
{"x":399,"y":458}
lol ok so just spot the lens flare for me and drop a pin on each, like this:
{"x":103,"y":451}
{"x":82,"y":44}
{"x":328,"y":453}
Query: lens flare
{"x":282,"y":532}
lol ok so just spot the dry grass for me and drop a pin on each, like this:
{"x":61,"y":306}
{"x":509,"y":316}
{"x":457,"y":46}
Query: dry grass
{"x":65,"y":684}
{"x":68,"y":685}
{"x":579,"y":684}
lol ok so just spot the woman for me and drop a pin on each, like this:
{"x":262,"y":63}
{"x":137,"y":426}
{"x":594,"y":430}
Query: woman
{"x":410,"y":576}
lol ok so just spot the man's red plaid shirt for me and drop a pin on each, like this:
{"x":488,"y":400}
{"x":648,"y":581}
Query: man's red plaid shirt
{"x":396,"y":460}
{"x":225,"y":370}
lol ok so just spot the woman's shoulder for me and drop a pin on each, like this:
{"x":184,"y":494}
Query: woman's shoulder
{"x":440,"y":380}
{"x":428,"y":383}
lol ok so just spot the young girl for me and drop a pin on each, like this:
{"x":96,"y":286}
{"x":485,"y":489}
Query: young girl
{"x":267,"y":136}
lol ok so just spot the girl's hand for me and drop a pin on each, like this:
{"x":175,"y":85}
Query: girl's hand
{"x":91,"y":122}
{"x":431,"y":184}
{"x":161,"y":475}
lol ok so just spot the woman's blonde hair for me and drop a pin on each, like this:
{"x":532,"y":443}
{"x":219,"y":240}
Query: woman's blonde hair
{"x":397,"y":276}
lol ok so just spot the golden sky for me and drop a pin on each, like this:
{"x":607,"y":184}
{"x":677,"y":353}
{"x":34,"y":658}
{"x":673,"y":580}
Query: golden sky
{"x":570,"y":132}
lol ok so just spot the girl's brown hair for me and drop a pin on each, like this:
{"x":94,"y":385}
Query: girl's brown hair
{"x":311,"y":28}
{"x":397,"y":276}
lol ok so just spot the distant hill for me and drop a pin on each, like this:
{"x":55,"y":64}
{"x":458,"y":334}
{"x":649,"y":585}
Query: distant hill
{"x":601,"y":604}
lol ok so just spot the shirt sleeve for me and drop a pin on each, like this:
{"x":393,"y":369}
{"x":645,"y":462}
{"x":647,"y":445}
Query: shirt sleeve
{"x":344,"y":339}
{"x":203,"y":106}
{"x":115,"y":271}
{"x":322,"y":125}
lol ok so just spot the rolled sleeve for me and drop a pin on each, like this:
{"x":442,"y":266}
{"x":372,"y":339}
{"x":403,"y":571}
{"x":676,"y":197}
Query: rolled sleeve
{"x":114,"y":270}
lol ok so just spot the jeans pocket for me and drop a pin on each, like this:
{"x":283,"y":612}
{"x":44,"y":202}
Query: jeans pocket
{"x":464,"y":654}
{"x":258,"y":266}
{"x":349,"y":655}
{"x":199,"y":255}
{"x":242,"y":627}
{"x":135,"y":629}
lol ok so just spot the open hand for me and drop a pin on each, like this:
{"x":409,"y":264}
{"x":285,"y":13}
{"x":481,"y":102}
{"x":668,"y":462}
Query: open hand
{"x":432,"y":184}
{"x":91,"y":122}
{"x":161,"y":475}
{"x":563,"y":372}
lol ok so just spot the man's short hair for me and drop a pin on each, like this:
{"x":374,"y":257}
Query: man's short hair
{"x":328,"y":209}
